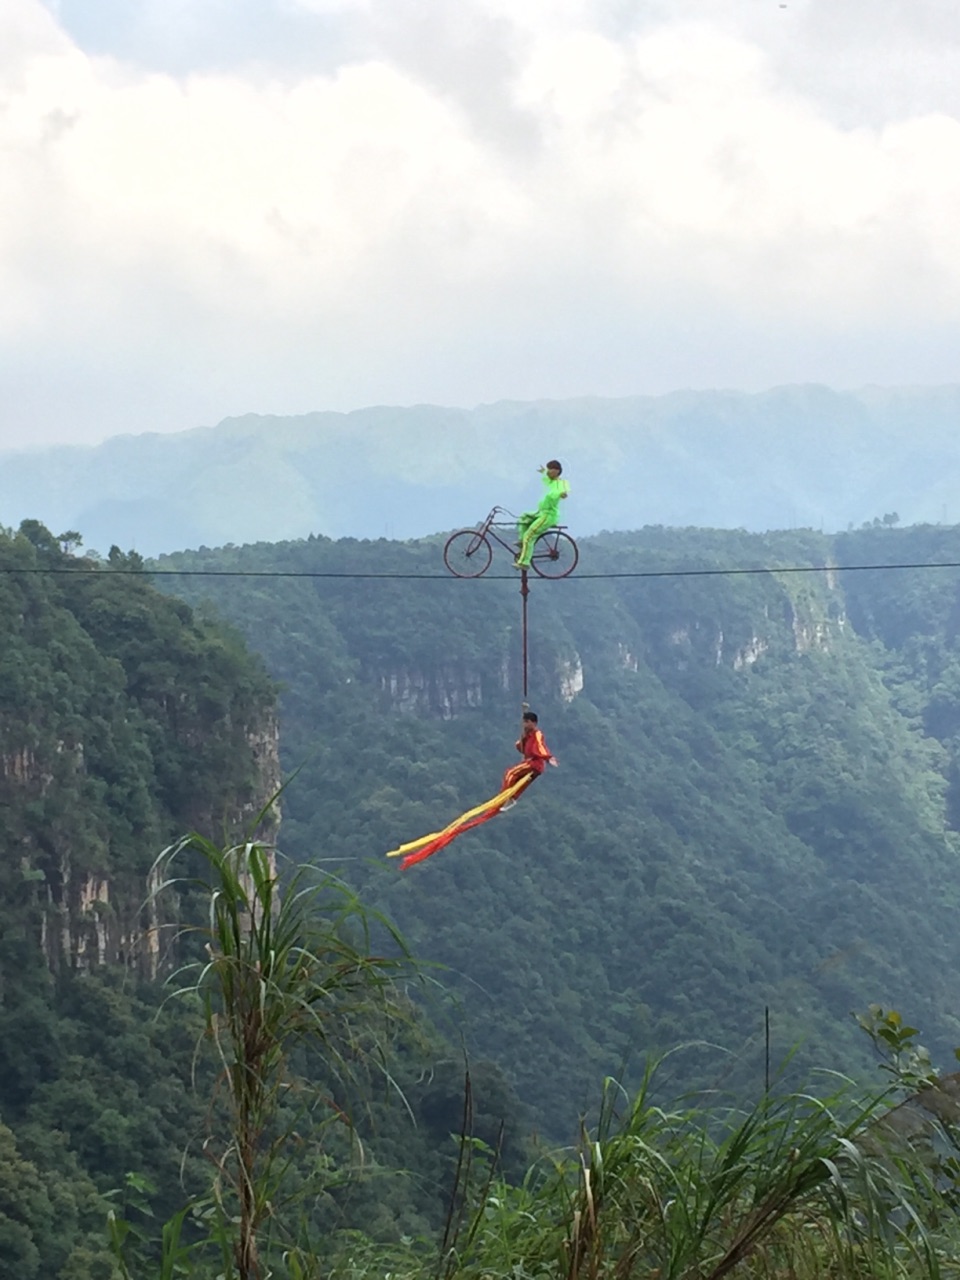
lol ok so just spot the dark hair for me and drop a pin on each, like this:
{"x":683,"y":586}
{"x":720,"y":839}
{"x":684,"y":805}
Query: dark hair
{"x":554,"y":464}
{"x":531,"y":715}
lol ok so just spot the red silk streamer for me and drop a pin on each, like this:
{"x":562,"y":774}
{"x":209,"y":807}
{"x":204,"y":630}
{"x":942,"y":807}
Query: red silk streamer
{"x":465,"y":823}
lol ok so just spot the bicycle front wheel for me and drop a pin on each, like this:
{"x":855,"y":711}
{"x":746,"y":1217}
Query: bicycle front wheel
{"x":555,"y":554}
{"x":467,"y":554}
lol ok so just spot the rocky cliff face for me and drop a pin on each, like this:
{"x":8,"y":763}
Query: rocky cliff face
{"x":125,"y":722}
{"x":449,"y":690}
{"x":775,"y":615}
{"x":445,"y":691}
{"x":89,"y":917}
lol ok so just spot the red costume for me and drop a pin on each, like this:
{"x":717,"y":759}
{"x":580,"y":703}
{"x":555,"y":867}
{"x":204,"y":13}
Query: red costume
{"x":536,"y":756}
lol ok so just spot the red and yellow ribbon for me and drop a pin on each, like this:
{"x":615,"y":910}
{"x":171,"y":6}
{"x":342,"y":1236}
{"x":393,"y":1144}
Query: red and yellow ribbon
{"x":417,"y":850}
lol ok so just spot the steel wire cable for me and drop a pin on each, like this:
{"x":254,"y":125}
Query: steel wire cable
{"x":78,"y":568}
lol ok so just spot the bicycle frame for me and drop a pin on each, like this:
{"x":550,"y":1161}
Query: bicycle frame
{"x":491,"y":525}
{"x":555,"y":553}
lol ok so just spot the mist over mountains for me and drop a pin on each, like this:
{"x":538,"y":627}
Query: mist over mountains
{"x":795,"y":456}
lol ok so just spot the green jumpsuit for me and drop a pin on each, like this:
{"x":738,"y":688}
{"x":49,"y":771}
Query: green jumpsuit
{"x":533,"y":523}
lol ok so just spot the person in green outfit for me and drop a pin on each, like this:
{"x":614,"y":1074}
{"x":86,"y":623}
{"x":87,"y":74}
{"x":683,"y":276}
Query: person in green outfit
{"x":532,"y":523}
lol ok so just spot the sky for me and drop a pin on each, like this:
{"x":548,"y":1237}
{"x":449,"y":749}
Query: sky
{"x":215,"y":207}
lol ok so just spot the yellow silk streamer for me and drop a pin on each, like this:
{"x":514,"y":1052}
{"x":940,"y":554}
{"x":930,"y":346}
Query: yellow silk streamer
{"x":497,"y":801}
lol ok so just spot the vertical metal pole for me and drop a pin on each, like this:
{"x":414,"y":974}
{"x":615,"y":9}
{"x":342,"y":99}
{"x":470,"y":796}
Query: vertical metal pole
{"x":766,"y":1043}
{"x":524,"y":592}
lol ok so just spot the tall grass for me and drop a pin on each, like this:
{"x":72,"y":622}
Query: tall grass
{"x":785,"y":1189}
{"x":287,"y":974}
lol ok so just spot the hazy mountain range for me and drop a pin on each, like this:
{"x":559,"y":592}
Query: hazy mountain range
{"x":793,"y":456}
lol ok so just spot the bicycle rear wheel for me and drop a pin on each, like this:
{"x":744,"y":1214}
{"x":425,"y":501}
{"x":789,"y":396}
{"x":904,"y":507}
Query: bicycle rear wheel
{"x":467,"y":554}
{"x":555,"y":554}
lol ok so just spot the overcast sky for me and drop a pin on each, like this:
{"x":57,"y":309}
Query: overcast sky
{"x":211,"y":207}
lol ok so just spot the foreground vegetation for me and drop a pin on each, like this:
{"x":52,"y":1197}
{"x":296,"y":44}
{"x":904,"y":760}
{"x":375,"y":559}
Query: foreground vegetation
{"x":799,"y":1184}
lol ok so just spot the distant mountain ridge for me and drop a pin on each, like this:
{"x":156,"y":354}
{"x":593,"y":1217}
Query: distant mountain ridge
{"x":793,"y":456}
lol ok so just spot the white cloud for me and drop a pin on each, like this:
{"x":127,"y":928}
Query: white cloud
{"x":518,"y":206}
{"x":338,"y":7}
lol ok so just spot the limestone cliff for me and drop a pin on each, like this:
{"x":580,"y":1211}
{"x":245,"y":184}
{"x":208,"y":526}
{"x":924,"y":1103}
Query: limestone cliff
{"x":125,"y":721}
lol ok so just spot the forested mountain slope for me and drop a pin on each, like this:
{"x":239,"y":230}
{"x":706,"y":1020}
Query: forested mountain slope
{"x":124,"y":721}
{"x":754,"y":807}
{"x":795,"y":455}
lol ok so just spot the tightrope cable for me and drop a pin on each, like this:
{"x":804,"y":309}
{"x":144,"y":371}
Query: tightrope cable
{"x":356,"y":575}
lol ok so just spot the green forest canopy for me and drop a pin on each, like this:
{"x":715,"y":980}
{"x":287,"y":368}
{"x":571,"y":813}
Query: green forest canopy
{"x":755,"y":807}
{"x":124,"y":719}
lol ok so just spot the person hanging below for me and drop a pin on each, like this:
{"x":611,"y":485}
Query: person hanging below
{"x":532,"y":523}
{"x":536,"y":756}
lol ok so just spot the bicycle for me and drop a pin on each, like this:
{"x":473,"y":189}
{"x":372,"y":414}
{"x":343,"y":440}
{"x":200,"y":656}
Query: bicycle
{"x":468,"y":553}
